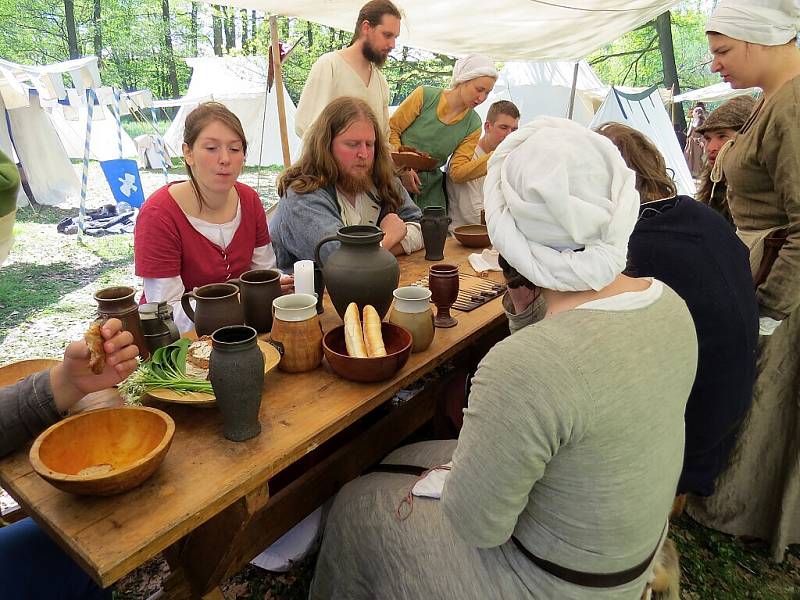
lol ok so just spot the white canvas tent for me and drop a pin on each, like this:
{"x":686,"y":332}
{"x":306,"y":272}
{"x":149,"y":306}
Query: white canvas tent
{"x":719,"y":92}
{"x":240,"y":83}
{"x":544,"y":88}
{"x":70,"y":124}
{"x":645,"y":112}
{"x":501,"y":29}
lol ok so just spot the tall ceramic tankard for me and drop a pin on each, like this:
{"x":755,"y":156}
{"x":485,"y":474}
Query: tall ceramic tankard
{"x":217,"y":306}
{"x":360,"y":270}
{"x":258,"y":288}
{"x":434,"y":224}
{"x":118,"y":302}
{"x":297,"y":331}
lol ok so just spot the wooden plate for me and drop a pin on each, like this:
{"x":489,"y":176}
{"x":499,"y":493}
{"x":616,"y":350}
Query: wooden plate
{"x":414,"y":161}
{"x":271,"y":359}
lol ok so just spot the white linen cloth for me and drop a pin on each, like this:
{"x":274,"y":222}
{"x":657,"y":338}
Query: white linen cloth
{"x":471,"y":67}
{"x":560,"y":205}
{"x":432,"y":484}
{"x":765,"y":22}
{"x":485,"y":261}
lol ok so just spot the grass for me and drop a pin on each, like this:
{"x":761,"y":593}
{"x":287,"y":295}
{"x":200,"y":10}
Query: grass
{"x":45,"y":301}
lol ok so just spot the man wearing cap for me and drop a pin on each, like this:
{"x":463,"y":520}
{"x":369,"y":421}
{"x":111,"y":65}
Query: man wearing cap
{"x":355,"y":70}
{"x":721,"y":126}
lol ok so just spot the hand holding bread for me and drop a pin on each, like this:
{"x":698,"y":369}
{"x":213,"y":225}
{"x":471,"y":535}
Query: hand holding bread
{"x":366,"y":341}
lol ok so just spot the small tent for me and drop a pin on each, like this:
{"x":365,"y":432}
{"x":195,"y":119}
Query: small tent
{"x":240,"y":83}
{"x":645,"y":112}
{"x":719,"y":92}
{"x":70,"y":123}
{"x":545,"y":88}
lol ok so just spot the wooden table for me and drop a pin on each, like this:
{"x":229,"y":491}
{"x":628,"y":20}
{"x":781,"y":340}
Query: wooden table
{"x":214,"y":504}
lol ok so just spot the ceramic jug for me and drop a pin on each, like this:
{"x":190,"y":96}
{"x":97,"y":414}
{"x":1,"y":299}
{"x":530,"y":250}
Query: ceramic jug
{"x":297,"y":332}
{"x":258,"y":288}
{"x":236,"y":372}
{"x":157,"y":325}
{"x":217,"y":306}
{"x":412,"y":311}
{"x":434,"y":224}
{"x":118,"y":302}
{"x":360,"y":270}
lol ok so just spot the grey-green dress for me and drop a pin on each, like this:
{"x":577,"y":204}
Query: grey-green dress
{"x":573,"y":442}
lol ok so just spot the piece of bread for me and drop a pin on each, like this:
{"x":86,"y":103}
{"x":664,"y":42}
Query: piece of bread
{"x":353,"y":336}
{"x":95,"y":340}
{"x":200,"y":352}
{"x":373,"y":337}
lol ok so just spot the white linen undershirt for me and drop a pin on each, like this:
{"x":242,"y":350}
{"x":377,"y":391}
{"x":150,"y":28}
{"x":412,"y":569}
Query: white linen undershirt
{"x":170,"y":289}
{"x":366,"y":212}
{"x":628,"y":300}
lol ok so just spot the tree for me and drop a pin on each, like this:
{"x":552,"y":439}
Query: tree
{"x":170,"y":55}
{"x":72,"y":35}
{"x":216,"y":19}
{"x":98,"y":36}
{"x":663,"y":26}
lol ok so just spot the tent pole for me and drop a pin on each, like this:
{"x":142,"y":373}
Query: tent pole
{"x":276,"y":61}
{"x":572,"y":92}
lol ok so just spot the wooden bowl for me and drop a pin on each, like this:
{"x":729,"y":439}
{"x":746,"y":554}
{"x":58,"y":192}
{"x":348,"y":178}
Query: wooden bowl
{"x":11,"y":374}
{"x":412,"y":160}
{"x":398,"y":348}
{"x":105,"y":451}
{"x":473,"y":236}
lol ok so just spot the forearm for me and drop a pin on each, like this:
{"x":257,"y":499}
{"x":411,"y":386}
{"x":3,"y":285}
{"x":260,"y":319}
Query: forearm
{"x":26,"y":409}
{"x":463,"y":166}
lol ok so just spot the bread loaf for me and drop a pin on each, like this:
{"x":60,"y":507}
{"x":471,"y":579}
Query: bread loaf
{"x":373,"y":338}
{"x":353,"y":336}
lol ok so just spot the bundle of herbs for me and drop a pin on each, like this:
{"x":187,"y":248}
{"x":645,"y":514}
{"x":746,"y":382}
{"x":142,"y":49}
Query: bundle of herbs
{"x":165,"y":369}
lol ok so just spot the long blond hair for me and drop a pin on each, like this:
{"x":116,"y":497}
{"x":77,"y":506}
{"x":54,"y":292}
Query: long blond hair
{"x":316,"y":168}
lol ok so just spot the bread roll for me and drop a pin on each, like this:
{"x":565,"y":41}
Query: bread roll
{"x":373,"y":338}
{"x":353,"y":337}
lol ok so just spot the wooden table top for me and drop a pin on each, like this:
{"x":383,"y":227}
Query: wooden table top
{"x":203,"y":473}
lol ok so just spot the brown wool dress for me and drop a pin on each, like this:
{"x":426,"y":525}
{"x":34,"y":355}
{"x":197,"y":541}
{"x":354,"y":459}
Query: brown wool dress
{"x":759,"y":493}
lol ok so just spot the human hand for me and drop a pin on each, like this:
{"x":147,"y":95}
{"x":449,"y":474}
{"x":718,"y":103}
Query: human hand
{"x":287,"y":284}
{"x":410,"y":181}
{"x":394,"y":229}
{"x":73,"y":379}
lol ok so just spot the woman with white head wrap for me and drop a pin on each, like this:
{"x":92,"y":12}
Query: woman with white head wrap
{"x":565,"y":470}
{"x":754,"y":43}
{"x":444,"y":123}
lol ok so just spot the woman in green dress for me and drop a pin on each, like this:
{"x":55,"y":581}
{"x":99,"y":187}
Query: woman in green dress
{"x":755,"y":45}
{"x":444,"y":122}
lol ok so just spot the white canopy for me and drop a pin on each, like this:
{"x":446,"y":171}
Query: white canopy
{"x":719,"y":92}
{"x":502,"y":29}
{"x":645,"y":112}
{"x":240,"y":83}
{"x":544,"y":88}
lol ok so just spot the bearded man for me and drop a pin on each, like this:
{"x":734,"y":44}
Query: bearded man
{"x":344,"y":176}
{"x":355,"y":70}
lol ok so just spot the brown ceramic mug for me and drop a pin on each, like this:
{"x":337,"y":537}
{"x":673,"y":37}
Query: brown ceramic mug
{"x":217,"y":305}
{"x":258,"y":288}
{"x":118,"y":302}
{"x":297,"y":331}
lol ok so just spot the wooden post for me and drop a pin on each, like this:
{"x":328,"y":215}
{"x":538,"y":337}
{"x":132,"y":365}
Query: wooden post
{"x":574,"y":86}
{"x":276,"y":62}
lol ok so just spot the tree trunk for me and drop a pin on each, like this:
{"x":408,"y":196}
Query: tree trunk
{"x":243,"y":15}
{"x":193,"y":29}
{"x":98,"y":34}
{"x":217,"y":25}
{"x":310,"y":34}
{"x":72,"y":35}
{"x":172,"y":71}
{"x":253,"y":29}
{"x":401,"y":70}
{"x":230,"y":27}
{"x":663,"y":25}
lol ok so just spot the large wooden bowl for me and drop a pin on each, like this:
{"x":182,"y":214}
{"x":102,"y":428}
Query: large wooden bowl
{"x":105,"y":451}
{"x":12,"y":373}
{"x":473,"y":236}
{"x":398,"y":348}
{"x":412,"y":160}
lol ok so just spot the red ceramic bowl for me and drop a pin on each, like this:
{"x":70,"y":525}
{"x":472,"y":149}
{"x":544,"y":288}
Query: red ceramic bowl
{"x":398,"y":348}
{"x":472,"y":236}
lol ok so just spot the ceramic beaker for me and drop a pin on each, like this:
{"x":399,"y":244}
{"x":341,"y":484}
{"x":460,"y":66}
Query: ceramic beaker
{"x":412,"y":311}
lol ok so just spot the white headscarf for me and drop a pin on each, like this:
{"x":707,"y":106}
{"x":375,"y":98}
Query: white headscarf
{"x":765,"y":22}
{"x":555,"y":187}
{"x":470,"y":67}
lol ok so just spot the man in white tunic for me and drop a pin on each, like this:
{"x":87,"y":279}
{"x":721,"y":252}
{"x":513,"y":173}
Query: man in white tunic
{"x":355,"y":70}
{"x":465,"y":200}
